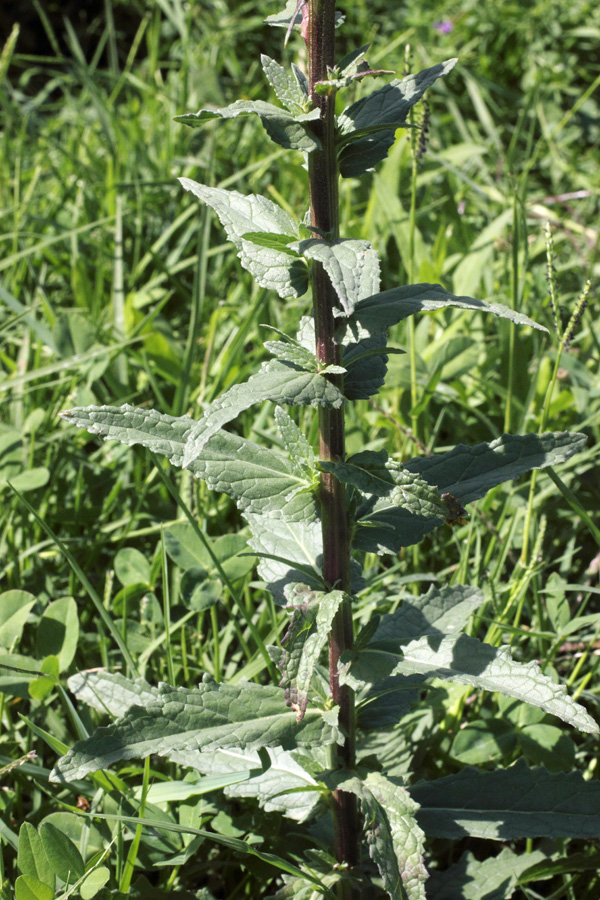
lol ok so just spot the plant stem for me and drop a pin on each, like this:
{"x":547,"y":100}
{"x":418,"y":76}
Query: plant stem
{"x":324,"y":210}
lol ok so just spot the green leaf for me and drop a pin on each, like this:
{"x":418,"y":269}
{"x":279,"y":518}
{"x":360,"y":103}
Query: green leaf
{"x":132,"y":567}
{"x":286,"y":87}
{"x":63,"y":855}
{"x":111,"y":692}
{"x":381,"y":311}
{"x":290,"y":550}
{"x":441,"y":610}
{"x":395,"y":840}
{"x":32,"y":859}
{"x":506,"y":804}
{"x":278,"y":381}
{"x":547,"y":745}
{"x":290,"y":131}
{"x":208,"y":718}
{"x":29,"y":888}
{"x":94,"y":882}
{"x":258,"y":479}
{"x":470,"y":472}
{"x":15,"y":607}
{"x":352,"y":266}
{"x":466,"y":660}
{"x":495,"y":878}
{"x":299,"y":450}
{"x":272,"y":268}
{"x":187,"y":550}
{"x":366,"y":129}
{"x":482,"y":741}
{"x":58,"y":631}
{"x":305,"y":639}
{"x":270,"y":786}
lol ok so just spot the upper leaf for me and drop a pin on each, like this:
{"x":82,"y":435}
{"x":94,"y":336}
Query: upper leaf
{"x":207,"y":718}
{"x":396,"y":843}
{"x":381,"y":311}
{"x":281,"y":382}
{"x":258,"y":479}
{"x":509,"y":803}
{"x":246,"y":217}
{"x":444,"y":610}
{"x":466,"y":660}
{"x":470,"y":472}
{"x":367,"y":128}
{"x":291,"y":131}
{"x":353,"y":267}
{"x":286,"y":87}
{"x":300,"y":452}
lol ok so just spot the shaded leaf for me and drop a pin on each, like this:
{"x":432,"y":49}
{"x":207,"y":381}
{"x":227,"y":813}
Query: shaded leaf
{"x":444,"y":610}
{"x":470,"y":472}
{"x":58,"y":631}
{"x":290,"y":131}
{"x":111,"y":692}
{"x":509,"y":803}
{"x":467,"y":660}
{"x":495,"y":878}
{"x":207,"y":718}
{"x":62,"y":854}
{"x":366,"y":129}
{"x":353,"y":267}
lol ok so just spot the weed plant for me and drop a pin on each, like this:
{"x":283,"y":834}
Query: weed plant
{"x":161,"y":588}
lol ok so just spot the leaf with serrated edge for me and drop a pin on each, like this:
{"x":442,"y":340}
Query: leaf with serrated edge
{"x":252,"y":214}
{"x":506,"y":804}
{"x":207,"y":718}
{"x":111,"y":692}
{"x":470,"y":472}
{"x":395,"y":840}
{"x":381,"y":311}
{"x":353,"y":267}
{"x":258,"y":479}
{"x":367,"y":128}
{"x":286,"y":87}
{"x":495,"y":878}
{"x":444,"y":610}
{"x":306,"y":637}
{"x":278,"y":381}
{"x":466,"y":660}
{"x":299,"y":450}
{"x":269,"y":787}
{"x":282,"y":127}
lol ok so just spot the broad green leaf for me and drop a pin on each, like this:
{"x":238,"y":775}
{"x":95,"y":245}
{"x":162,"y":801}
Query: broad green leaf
{"x":58,"y":631}
{"x":208,"y":718}
{"x":467,"y":660}
{"x":401,"y":518}
{"x":278,"y":381}
{"x":395,"y":840}
{"x":381,"y":311}
{"x":187,"y":550}
{"x":290,"y":131}
{"x":15,"y":607}
{"x":546,"y":745}
{"x":29,"y":888}
{"x":12,"y":462}
{"x":62,"y":854}
{"x":369,"y":471}
{"x":366,"y":365}
{"x":94,"y":882}
{"x":506,"y":804}
{"x":32,"y":859}
{"x":366,"y":129}
{"x":270,"y":786}
{"x":469,"y":473}
{"x":443,"y":610}
{"x":483,"y":741}
{"x":111,"y":692}
{"x":40,"y":687}
{"x":257,"y":478}
{"x":289,"y":551}
{"x":131,"y":567}
{"x":352,"y":266}
{"x":299,"y":450}
{"x":239,"y":214}
{"x":307,"y":634}
{"x":388,"y":701}
{"x":495,"y":878}
{"x":286,"y":87}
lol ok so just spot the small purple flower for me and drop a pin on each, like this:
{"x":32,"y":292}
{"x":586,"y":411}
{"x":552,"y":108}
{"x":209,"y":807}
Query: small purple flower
{"x":443,"y":27}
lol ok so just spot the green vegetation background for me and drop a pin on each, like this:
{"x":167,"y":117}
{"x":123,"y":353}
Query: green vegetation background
{"x":116,"y":287}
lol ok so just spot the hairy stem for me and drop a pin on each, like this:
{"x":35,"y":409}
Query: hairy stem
{"x":324,"y":207}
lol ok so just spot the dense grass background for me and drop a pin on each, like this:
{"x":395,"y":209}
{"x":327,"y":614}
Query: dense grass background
{"x":115,"y":286}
